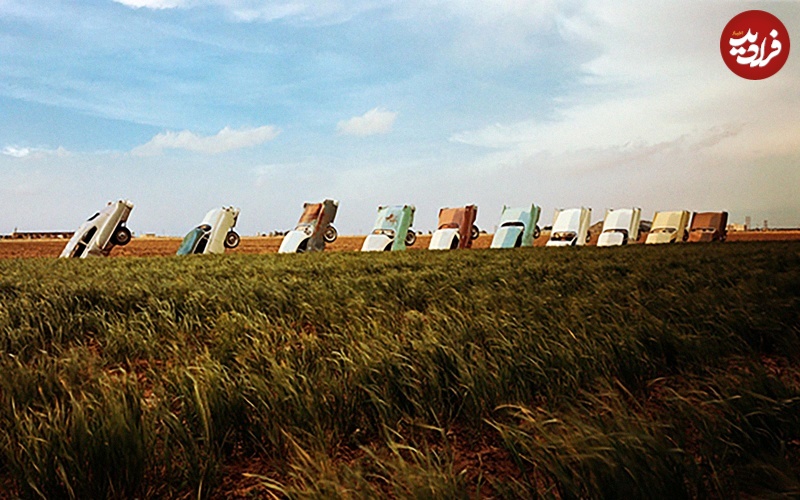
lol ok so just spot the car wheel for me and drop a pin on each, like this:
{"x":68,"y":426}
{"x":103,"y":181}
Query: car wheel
{"x":411,"y":237}
{"x":536,"y":232}
{"x":686,"y":236}
{"x":473,"y":235}
{"x":122,"y":236}
{"x":232,"y":239}
{"x":330,"y":234}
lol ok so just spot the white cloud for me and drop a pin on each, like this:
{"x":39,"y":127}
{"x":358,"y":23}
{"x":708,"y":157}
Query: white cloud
{"x":373,"y":122}
{"x":316,"y":11}
{"x":23,"y":152}
{"x":225,"y":140}
{"x":16,"y":152}
{"x":153,"y":4}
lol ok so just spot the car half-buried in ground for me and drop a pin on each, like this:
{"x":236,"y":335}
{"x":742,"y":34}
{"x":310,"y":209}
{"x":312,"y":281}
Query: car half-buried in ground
{"x":571,"y":227}
{"x":620,"y":227}
{"x":518,"y":227}
{"x":392,"y":222}
{"x":214,"y":234}
{"x":456,"y":228}
{"x":313,"y":230}
{"x":101,"y":232}
{"x":668,"y":227}
{"x":709,"y":226}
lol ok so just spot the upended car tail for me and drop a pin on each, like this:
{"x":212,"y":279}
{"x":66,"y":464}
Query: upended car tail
{"x":518,"y":227}
{"x":313,"y":230}
{"x":456,"y":228}
{"x":214,"y":234}
{"x":620,"y":227}
{"x":668,"y":227}
{"x":709,"y":226}
{"x":392,"y":229}
{"x":101,"y":232}
{"x":571,"y":227}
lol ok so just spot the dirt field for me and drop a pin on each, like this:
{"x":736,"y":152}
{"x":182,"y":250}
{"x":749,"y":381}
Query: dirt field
{"x":149,"y":247}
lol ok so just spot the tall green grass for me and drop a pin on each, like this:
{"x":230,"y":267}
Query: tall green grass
{"x":641,"y":371}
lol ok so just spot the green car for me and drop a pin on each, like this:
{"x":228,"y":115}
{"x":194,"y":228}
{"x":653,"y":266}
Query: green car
{"x":518,"y":227}
{"x":392,"y":222}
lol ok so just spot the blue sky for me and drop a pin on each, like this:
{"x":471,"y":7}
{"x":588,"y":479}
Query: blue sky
{"x":184,"y":105}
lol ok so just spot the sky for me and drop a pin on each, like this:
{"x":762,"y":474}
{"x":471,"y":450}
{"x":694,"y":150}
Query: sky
{"x":185,"y":105}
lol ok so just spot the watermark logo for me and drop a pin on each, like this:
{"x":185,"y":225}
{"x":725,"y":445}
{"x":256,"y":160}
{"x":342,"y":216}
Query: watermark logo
{"x":754,"y":44}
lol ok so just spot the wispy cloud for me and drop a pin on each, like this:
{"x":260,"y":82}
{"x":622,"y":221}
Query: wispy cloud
{"x":373,"y":122}
{"x":225,"y":140}
{"x":25,"y":152}
{"x":304,"y":11}
{"x":153,"y":4}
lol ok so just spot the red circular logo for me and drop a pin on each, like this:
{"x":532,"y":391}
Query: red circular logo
{"x":754,"y":44}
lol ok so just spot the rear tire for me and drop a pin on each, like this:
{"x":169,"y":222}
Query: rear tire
{"x":536,"y":232}
{"x":121,"y":236}
{"x":473,"y":235}
{"x":330,"y":234}
{"x":232,"y":239}
{"x":411,"y":237}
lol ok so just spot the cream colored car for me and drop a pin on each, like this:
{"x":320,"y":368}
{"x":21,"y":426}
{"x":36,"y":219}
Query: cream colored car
{"x":669,"y":227}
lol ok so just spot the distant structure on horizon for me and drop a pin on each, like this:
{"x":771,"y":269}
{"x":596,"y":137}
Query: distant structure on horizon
{"x":37,"y":235}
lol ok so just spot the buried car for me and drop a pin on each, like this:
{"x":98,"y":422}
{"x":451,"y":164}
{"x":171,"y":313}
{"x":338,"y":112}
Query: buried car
{"x":518,"y":227}
{"x":620,"y":227}
{"x":571,"y":227}
{"x":101,"y":232}
{"x":456,"y":228}
{"x":392,"y":229}
{"x":313,"y":230}
{"x":214,"y":234}
{"x":709,"y":226}
{"x":668,"y":227}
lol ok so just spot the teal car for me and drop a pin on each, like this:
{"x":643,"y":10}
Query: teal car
{"x":518,"y":227}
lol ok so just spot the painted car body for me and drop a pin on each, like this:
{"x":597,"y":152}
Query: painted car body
{"x":620,"y":227}
{"x":709,"y":226}
{"x":518,"y":227}
{"x":214,"y":234}
{"x":456,"y":228}
{"x":668,"y":227}
{"x":570,"y":227}
{"x":101,"y":232}
{"x":392,"y":229}
{"x":314,"y":229}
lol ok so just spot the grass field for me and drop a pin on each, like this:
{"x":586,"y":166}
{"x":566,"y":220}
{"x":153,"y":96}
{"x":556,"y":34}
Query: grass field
{"x":640,"y":372}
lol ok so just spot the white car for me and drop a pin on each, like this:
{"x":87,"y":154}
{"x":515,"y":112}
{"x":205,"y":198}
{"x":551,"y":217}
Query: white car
{"x":620,"y":227}
{"x":391,"y":222}
{"x":101,"y":232}
{"x":313,"y":230}
{"x":518,"y":227}
{"x":669,"y":227}
{"x":214,"y":234}
{"x":571,"y":227}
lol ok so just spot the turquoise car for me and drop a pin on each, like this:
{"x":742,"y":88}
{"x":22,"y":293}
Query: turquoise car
{"x":518,"y":227}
